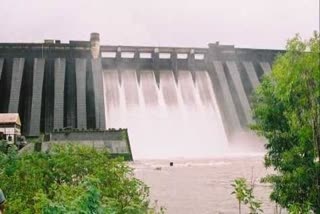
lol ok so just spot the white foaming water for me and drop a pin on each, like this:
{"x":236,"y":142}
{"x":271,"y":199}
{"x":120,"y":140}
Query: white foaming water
{"x":170,"y":121}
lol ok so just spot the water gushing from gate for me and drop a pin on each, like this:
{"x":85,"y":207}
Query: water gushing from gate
{"x":177,"y":119}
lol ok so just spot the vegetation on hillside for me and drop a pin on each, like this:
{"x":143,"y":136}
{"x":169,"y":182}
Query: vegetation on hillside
{"x":287,"y":113}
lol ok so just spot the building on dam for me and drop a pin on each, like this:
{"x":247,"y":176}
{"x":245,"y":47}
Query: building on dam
{"x":53,"y":85}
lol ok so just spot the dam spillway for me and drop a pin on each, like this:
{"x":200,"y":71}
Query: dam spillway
{"x":169,"y":120}
{"x":168,"y":97}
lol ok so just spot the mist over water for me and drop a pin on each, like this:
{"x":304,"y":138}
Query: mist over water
{"x":177,"y":119}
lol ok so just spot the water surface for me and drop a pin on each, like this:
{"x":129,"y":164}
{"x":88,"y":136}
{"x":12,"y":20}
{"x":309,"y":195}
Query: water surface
{"x":203,"y":185}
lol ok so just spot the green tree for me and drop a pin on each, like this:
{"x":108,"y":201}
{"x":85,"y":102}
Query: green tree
{"x":286,"y":108}
{"x":244,"y":194}
{"x":72,"y":179}
{"x":240,"y":190}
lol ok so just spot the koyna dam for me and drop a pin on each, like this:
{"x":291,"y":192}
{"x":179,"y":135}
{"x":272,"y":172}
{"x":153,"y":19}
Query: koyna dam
{"x":175,"y":101}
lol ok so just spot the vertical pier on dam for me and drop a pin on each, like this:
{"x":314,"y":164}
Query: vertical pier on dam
{"x":251,"y":73}
{"x":35,"y":115}
{"x":16,"y":80}
{"x":225,"y":101}
{"x":81,"y":93}
{"x":59,"y":91}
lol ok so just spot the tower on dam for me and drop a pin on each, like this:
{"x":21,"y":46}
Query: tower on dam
{"x":53,"y":85}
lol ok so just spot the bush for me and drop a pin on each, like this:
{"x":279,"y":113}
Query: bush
{"x":244,"y":194}
{"x":71,"y":178}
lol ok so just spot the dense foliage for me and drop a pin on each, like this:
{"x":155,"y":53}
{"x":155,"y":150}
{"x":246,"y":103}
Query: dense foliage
{"x":287,"y":112}
{"x":70,"y":179}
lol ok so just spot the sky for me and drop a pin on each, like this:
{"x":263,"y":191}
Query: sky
{"x":186,"y":23}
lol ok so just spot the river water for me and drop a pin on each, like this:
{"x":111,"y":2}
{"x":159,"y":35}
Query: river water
{"x":203,"y":186}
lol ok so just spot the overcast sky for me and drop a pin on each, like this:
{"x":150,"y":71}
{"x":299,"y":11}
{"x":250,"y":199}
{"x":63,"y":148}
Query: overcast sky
{"x":244,"y":23}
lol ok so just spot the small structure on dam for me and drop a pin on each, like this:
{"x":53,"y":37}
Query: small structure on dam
{"x":86,"y":85}
{"x":10,"y":127}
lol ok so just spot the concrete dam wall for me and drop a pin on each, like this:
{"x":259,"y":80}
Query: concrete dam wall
{"x":80,"y":84}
